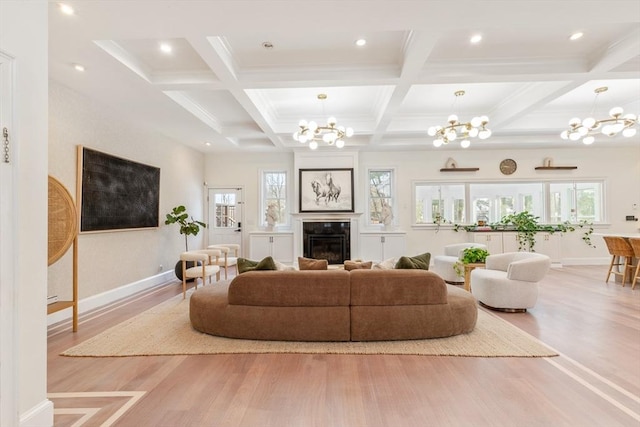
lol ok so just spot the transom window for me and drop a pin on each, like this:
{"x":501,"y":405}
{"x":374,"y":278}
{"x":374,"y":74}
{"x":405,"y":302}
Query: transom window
{"x":552,"y":202}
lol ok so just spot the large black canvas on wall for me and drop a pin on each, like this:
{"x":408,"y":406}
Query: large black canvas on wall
{"x":117,"y":193}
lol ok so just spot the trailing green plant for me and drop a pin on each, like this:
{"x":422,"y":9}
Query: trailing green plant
{"x":188,"y":225}
{"x":526,"y":226}
{"x":470,"y":256}
{"x":438,"y":220}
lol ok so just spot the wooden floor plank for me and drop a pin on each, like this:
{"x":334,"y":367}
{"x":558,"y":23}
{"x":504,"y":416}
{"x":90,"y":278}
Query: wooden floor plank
{"x":595,"y":382}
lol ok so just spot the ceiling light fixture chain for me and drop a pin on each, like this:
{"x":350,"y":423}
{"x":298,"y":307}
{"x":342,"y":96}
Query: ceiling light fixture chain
{"x":455,"y":129}
{"x":611,"y":126}
{"x":331,"y":134}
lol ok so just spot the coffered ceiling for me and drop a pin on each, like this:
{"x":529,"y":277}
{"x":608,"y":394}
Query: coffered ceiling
{"x":241,"y":74}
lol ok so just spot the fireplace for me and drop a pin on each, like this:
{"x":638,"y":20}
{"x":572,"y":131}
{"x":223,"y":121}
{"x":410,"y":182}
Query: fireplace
{"x":330,"y":240}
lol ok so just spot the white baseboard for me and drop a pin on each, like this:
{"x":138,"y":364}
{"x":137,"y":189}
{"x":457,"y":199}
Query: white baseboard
{"x":40,"y":415}
{"x":586,"y":261}
{"x":107,"y":297}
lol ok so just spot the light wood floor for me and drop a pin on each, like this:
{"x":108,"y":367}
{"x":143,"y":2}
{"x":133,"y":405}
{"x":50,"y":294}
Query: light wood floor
{"x":594,"y":382}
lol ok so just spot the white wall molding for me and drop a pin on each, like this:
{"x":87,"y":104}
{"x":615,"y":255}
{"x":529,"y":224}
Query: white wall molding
{"x":104,"y":298}
{"x":586,"y":261}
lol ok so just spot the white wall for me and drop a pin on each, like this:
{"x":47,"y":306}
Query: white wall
{"x":29,"y":160}
{"x":109,"y":260}
{"x":620,"y":167}
{"x":243,"y":170}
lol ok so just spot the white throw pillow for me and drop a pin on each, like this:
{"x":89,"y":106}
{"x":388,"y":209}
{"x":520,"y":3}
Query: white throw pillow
{"x":283,"y":267}
{"x":387,"y":264}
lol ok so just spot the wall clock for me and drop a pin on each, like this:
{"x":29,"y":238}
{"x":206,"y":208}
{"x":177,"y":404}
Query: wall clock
{"x":508,"y":166}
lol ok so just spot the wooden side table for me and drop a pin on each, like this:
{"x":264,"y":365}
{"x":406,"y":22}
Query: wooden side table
{"x":468,"y":268}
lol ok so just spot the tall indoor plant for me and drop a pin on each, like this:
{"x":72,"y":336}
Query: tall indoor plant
{"x":188,"y":225}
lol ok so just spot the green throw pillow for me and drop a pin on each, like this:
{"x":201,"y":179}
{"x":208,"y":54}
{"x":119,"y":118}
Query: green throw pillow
{"x":414,"y":262}
{"x":245,"y":265}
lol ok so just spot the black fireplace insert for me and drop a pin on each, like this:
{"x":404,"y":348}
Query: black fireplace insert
{"x":330,"y":240}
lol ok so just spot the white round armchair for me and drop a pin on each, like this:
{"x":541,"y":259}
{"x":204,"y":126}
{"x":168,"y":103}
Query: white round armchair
{"x":443,"y":264}
{"x":510,"y":280}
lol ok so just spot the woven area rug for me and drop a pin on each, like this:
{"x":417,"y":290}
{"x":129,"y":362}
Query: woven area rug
{"x":166,"y":330}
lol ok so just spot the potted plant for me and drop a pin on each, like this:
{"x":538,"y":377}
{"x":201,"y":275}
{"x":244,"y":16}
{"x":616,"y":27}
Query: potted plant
{"x":470,"y":256}
{"x":188,"y":226}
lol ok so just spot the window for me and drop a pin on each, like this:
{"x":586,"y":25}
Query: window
{"x":380,"y":194}
{"x":467,"y":203}
{"x":274,"y":193}
{"x":438,"y":202}
{"x":225,"y":210}
{"x":491,"y":201}
{"x":576,"y":201}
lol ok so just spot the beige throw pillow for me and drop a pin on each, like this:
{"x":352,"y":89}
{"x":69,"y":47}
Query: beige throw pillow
{"x":357,"y":265}
{"x":312,"y":264}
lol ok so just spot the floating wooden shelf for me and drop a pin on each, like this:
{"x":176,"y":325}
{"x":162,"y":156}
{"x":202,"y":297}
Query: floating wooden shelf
{"x":549,"y":168}
{"x":459,"y":169}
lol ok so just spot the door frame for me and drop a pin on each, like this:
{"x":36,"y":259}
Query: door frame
{"x":8,"y":243}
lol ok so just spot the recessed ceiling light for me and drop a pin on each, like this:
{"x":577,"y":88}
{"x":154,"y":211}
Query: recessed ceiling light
{"x":66,"y":9}
{"x":361,"y":42}
{"x":165,"y":47}
{"x":476,"y":38}
{"x":208,"y":144}
{"x":78,"y":67}
{"x":576,"y":36}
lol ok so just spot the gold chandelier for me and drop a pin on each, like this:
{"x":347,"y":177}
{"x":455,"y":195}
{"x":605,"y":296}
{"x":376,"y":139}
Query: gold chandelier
{"x":611,"y":126}
{"x":330,"y":134}
{"x":455,"y":129}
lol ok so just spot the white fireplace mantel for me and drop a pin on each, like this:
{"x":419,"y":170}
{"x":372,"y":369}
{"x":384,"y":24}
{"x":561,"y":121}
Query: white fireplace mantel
{"x":326,"y":216}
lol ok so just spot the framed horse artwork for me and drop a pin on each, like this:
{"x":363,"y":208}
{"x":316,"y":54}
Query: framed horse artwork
{"x":326,"y":190}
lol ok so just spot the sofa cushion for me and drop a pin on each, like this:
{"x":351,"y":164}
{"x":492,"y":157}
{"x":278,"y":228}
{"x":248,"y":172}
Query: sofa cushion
{"x":312,"y":264}
{"x":357,"y":265}
{"x":397,"y":287}
{"x":245,"y":265}
{"x":291,"y":288}
{"x":415,"y":262}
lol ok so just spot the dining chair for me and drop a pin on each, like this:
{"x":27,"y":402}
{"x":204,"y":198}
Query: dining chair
{"x":214,"y":259}
{"x":229,"y":258}
{"x":635,"y":245}
{"x":621,"y":256}
{"x":201,"y":270}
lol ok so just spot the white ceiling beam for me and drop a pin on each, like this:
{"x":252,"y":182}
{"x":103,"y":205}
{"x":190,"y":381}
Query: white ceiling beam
{"x":417,"y":49}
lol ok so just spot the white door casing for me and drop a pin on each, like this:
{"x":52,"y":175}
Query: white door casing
{"x":8,"y":287}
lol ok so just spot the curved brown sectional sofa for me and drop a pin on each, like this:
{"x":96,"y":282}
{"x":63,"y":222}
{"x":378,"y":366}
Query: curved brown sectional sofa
{"x":334,"y":305}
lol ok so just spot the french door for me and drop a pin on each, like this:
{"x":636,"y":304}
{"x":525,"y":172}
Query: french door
{"x":225,"y":215}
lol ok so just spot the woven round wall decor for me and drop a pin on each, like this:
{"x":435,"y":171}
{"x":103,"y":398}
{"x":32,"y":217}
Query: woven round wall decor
{"x":63,"y":220}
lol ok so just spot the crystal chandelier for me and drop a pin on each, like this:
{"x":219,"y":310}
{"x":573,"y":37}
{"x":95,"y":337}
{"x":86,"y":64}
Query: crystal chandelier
{"x":330,"y":134}
{"x":455,"y":129}
{"x":611,"y":126}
